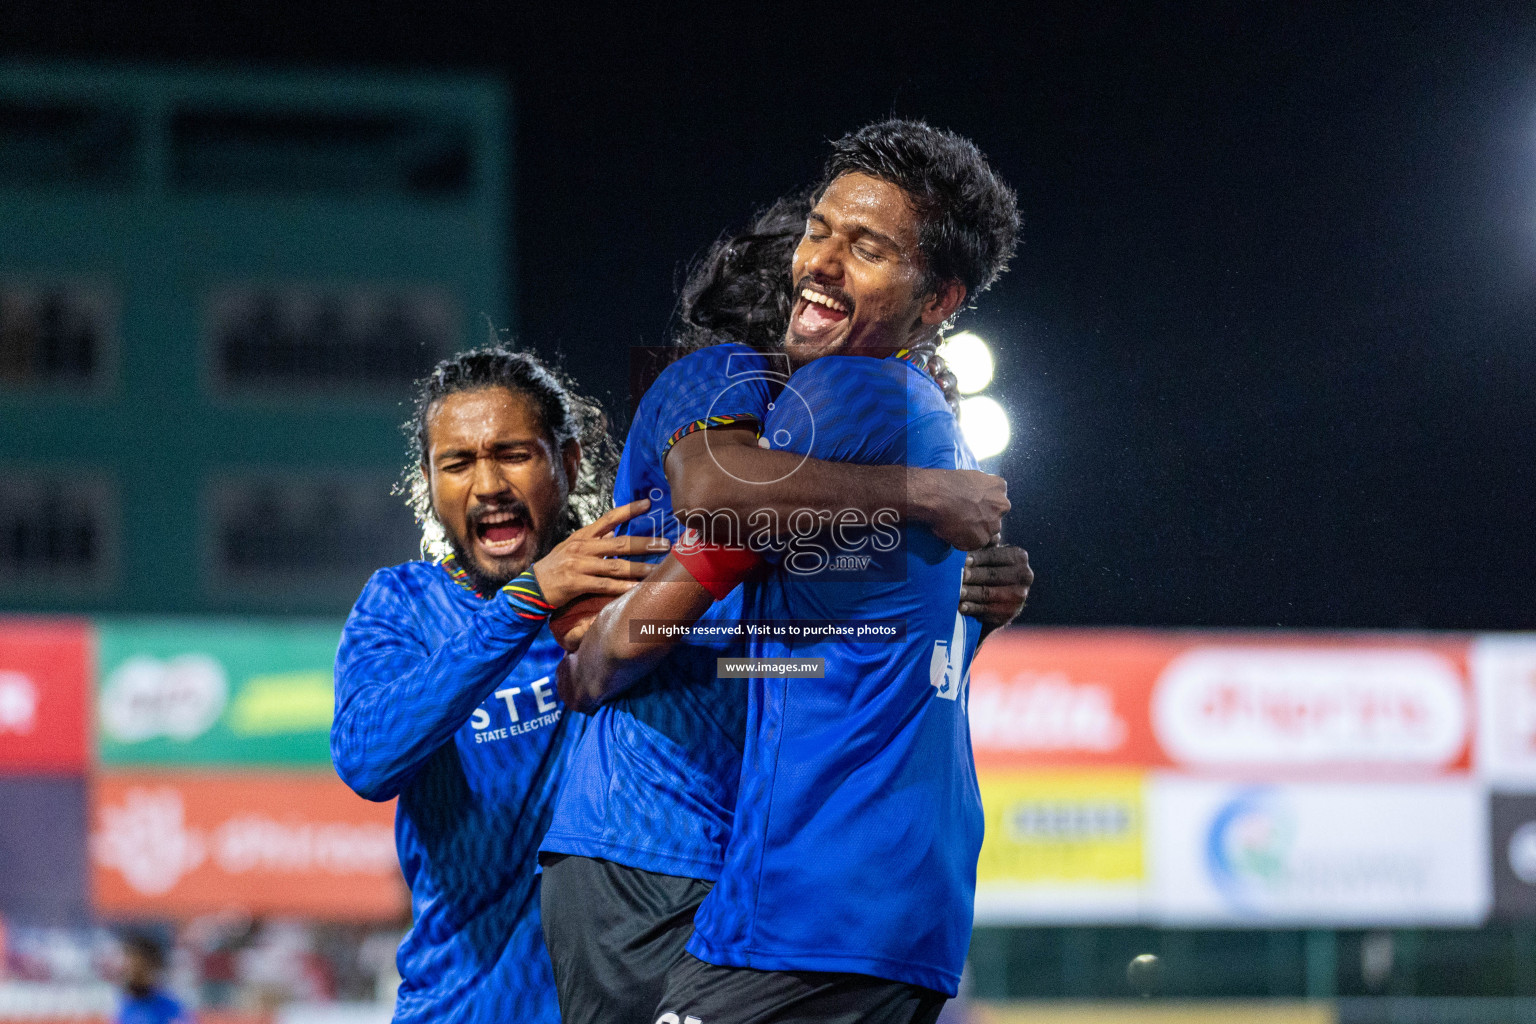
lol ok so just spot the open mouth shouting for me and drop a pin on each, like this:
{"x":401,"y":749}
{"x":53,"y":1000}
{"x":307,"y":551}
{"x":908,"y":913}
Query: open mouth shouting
{"x":820,"y":315}
{"x":500,"y":531}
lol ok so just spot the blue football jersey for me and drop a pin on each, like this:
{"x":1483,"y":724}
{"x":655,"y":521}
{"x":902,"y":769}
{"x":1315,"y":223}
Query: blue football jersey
{"x":152,"y":1008}
{"x":448,"y":700}
{"x":652,"y":783}
{"x":859,"y":821}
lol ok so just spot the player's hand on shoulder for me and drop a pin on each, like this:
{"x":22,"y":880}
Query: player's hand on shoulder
{"x":593,"y":561}
{"x":963,"y":507}
{"x":996,"y":584}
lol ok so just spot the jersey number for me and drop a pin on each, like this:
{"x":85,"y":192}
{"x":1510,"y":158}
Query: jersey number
{"x":948,"y":670}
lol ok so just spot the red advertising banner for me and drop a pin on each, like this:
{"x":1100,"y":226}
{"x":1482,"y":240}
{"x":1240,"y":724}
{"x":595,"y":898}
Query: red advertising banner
{"x":1272,"y":704}
{"x":44,"y":667}
{"x":175,"y":845}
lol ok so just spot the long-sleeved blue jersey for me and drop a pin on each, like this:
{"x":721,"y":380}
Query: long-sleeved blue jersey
{"x":859,"y":821}
{"x":652,"y":784}
{"x":447,"y":700}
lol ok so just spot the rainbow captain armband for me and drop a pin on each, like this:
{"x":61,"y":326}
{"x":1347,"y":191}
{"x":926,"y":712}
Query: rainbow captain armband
{"x":526,"y":598}
{"x":735,"y":419}
{"x":716,"y":567}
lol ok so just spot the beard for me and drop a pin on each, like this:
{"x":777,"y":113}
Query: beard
{"x":488,"y":580}
{"x":485,"y":583}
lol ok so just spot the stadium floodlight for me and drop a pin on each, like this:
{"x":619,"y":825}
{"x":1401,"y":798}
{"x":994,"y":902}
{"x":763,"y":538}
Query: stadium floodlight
{"x":969,"y":359}
{"x":985,"y":425}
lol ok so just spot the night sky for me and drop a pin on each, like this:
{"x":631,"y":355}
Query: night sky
{"x":1268,"y":343}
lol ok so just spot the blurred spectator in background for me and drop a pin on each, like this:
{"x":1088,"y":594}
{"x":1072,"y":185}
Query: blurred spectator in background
{"x":144,"y":1000}
{"x":283,"y":966}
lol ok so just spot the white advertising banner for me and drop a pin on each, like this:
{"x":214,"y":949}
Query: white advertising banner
{"x":1335,"y":708}
{"x":1504,"y":673}
{"x":1339,"y":854}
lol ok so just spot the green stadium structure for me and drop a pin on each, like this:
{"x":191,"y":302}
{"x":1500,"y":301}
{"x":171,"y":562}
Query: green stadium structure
{"x":215,"y":289}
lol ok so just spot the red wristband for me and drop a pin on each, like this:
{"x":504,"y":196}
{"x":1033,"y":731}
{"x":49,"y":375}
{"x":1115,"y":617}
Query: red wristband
{"x":716,"y":568}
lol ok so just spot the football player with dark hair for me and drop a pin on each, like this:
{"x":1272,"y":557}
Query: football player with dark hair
{"x":849,"y":875}
{"x":641,"y":831}
{"x":445,"y":688}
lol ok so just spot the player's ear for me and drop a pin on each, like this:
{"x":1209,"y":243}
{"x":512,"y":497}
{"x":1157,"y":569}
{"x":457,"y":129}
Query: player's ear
{"x":571,"y":458}
{"x":942,"y":304}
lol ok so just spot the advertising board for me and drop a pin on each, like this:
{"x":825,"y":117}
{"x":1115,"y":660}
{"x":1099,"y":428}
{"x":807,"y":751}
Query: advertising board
{"x":1060,"y":846}
{"x":198,"y":692}
{"x":42,"y":850}
{"x":1504,"y":669}
{"x":1512,"y":850}
{"x":1239,"y":705}
{"x":1318,"y":854}
{"x":1066,"y":698}
{"x":179,"y":845}
{"x":44,"y":667}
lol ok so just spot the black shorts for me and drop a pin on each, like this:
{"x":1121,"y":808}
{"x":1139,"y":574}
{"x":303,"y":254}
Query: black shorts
{"x":701,"y":993}
{"x":613,"y":933}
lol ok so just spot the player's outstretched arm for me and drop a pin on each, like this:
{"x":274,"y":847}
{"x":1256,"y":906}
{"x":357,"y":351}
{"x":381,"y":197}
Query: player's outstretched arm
{"x":995,"y":585}
{"x":610,"y":653}
{"x":397,"y":702}
{"x":725,"y":470}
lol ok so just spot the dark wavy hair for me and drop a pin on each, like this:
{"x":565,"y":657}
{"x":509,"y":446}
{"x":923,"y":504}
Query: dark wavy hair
{"x":567,"y":416}
{"x":740,"y":290}
{"x":969,"y":215}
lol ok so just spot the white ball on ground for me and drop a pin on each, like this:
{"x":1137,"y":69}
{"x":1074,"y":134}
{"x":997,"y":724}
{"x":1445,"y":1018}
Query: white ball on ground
{"x":1144,"y":973}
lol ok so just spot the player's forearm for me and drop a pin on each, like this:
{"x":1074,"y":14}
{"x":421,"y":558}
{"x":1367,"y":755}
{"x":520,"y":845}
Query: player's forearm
{"x":614,"y":653}
{"x":722,"y":485}
{"x":395,"y":706}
